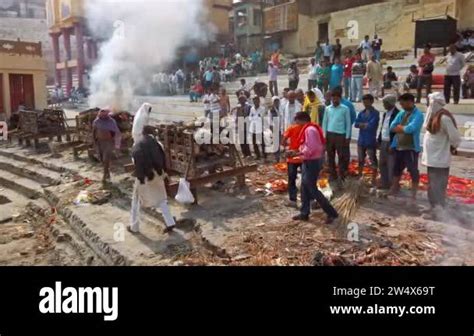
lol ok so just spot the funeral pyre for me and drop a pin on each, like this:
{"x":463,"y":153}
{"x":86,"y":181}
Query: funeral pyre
{"x":39,"y":124}
{"x":84,"y":121}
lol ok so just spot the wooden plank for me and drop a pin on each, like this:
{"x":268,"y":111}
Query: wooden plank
{"x":200,"y":181}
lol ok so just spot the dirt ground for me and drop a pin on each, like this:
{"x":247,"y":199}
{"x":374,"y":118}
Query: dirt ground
{"x":38,"y":236}
{"x":230,"y":226}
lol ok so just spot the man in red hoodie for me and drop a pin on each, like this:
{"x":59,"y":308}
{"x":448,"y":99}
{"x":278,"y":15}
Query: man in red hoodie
{"x":311,"y":149}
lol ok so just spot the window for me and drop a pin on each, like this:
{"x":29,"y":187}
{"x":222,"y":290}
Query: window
{"x":257,"y":17}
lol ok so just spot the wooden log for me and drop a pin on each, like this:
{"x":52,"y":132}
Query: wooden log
{"x":200,"y":181}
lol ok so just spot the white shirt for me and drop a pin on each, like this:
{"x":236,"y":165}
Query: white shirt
{"x":215,"y":107}
{"x":289,"y":113}
{"x":366,"y":45}
{"x":207,"y":106}
{"x":386,"y":126}
{"x":455,"y":63}
{"x":313,"y":72}
{"x":437,"y":147}
{"x":256,"y":116}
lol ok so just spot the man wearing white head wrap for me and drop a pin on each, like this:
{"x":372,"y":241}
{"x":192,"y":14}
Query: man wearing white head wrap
{"x":141,"y":119}
{"x":441,"y":138}
{"x":150,"y":172}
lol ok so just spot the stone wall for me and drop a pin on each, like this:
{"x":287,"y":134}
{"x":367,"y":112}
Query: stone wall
{"x":30,"y":30}
{"x":392,"y":20}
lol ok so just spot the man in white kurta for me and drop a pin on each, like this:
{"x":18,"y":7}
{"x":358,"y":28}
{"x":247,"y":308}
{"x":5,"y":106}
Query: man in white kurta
{"x":149,"y":190}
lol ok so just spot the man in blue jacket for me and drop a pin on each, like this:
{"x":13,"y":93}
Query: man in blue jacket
{"x":406,"y":143}
{"x":368,"y":123}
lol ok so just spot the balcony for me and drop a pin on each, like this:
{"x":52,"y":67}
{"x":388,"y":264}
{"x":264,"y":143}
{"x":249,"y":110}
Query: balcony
{"x":20,"y":48}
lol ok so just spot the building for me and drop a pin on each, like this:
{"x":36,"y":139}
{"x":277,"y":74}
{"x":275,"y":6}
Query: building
{"x":247,"y":20}
{"x":22,"y":76}
{"x":31,"y":9}
{"x":74,"y":51}
{"x":26,"y":20}
{"x":248,"y":25}
{"x":296,"y":25}
{"x":218,"y":15}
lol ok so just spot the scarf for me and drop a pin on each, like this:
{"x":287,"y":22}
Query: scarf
{"x":434,"y":123}
{"x":435,"y":112}
{"x":142,"y":118}
{"x":302,"y":136}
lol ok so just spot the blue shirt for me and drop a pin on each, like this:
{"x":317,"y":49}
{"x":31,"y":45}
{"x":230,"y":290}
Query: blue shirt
{"x":351,"y":108}
{"x":208,"y":76}
{"x":414,"y":125}
{"x":368,"y":135}
{"x":337,"y":71}
{"x":337,"y":120}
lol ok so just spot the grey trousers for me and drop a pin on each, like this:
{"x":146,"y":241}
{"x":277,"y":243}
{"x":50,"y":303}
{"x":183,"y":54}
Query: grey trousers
{"x":438,"y":183}
{"x":386,"y":163}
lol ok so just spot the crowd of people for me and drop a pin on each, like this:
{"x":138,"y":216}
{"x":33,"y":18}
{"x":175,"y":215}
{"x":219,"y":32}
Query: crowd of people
{"x":312,"y":131}
{"x":314,"y":128}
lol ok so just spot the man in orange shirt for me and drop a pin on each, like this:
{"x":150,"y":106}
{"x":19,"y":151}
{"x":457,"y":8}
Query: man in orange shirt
{"x":290,"y":138}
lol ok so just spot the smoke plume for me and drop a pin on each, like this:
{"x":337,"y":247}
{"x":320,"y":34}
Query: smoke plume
{"x":139,"y":37}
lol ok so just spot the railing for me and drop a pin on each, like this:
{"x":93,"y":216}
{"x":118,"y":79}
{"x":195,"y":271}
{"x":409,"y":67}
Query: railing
{"x":20,"y":48}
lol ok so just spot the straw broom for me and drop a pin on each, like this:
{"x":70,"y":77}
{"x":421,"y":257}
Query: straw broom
{"x":347,"y":204}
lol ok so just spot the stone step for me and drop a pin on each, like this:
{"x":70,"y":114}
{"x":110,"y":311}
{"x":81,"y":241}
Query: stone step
{"x":22,"y":185}
{"x":15,"y":154}
{"x":103,"y":228}
{"x":16,"y":204}
{"x":28,"y":170}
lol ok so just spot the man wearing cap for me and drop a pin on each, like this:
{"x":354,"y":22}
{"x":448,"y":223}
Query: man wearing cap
{"x":387,"y":158}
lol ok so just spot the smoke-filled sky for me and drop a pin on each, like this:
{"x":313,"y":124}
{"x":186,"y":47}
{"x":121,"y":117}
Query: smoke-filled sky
{"x":140,"y":36}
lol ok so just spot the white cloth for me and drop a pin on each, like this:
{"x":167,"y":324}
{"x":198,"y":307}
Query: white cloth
{"x":256,"y":116}
{"x":141,"y":119}
{"x":140,"y":194}
{"x":289,"y":113}
{"x":320,"y":95}
{"x":437,"y":147}
{"x":152,"y":193}
{"x":374,"y":88}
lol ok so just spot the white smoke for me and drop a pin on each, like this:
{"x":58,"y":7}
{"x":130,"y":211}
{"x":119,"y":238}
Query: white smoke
{"x":140,"y":37}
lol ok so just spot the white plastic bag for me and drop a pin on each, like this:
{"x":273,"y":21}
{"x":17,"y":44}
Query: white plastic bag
{"x":184,"y":195}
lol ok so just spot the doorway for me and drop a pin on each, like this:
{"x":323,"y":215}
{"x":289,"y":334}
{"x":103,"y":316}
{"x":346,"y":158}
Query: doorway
{"x":323,"y":31}
{"x":21,"y":91}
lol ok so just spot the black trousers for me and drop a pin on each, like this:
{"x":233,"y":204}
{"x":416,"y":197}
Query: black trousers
{"x":293,"y":84}
{"x":257,"y":146}
{"x":273,"y":87}
{"x":455,"y":83}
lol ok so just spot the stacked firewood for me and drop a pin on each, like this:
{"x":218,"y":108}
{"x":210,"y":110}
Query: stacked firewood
{"x":85,"y":120}
{"x":46,"y":122}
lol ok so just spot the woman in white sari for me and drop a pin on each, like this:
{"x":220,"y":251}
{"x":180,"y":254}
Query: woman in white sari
{"x":150,"y":172}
